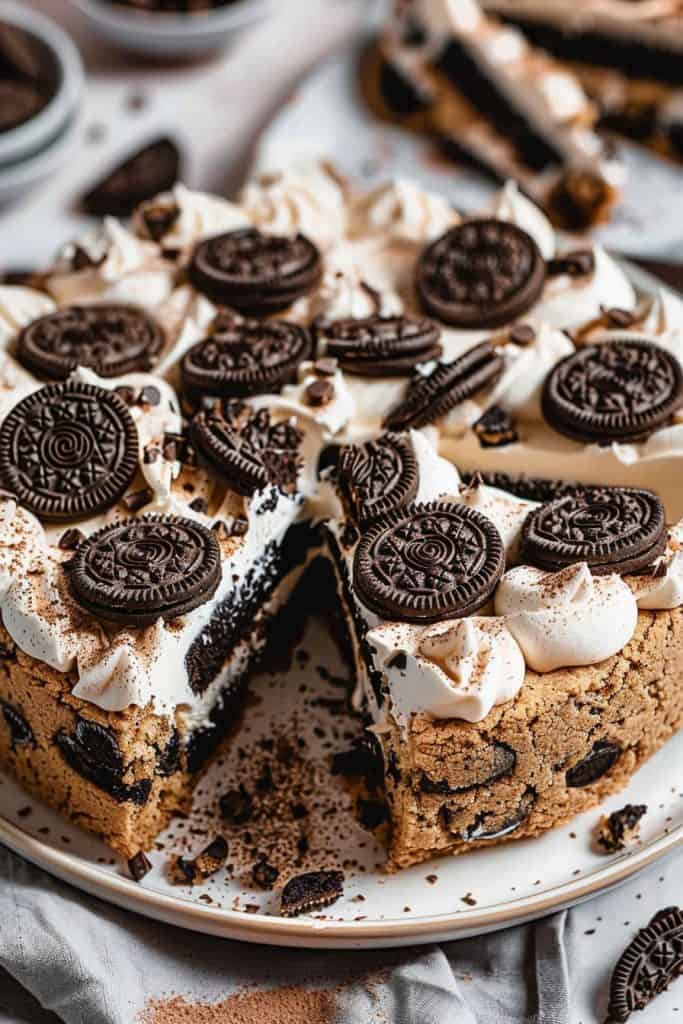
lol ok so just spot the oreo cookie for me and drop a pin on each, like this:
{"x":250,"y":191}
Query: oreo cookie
{"x":311,"y":891}
{"x":109,"y":339}
{"x":648,"y":965}
{"x":255,"y":273}
{"x":245,"y":357}
{"x":378,"y":477}
{"x":612,"y":529}
{"x":68,"y":450}
{"x":448,"y":385}
{"x":428,"y":562}
{"x":483,"y":273}
{"x":153,"y":169}
{"x":19,"y":101}
{"x":144,"y":569}
{"x":249,"y":450}
{"x":618,"y":390}
{"x":382,"y":346}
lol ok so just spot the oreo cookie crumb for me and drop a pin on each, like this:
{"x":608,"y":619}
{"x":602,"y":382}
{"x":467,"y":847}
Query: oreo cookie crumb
{"x":264,"y":874}
{"x":495,"y":428}
{"x":620,"y":829}
{"x":195,"y":871}
{"x":139,"y":866}
{"x":312,"y":890}
{"x":70,"y":539}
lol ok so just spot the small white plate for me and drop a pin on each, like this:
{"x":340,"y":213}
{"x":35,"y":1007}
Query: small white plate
{"x":510,"y":883}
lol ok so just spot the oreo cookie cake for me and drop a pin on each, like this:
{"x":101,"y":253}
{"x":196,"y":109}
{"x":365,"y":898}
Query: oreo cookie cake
{"x":493,"y":100}
{"x":197,"y":405}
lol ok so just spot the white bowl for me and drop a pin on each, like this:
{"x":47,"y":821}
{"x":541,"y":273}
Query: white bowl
{"x":172,"y":35}
{"x":19,"y":177}
{"x":35,"y":134}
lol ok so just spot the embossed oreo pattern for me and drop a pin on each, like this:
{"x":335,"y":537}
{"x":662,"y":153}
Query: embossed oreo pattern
{"x":68,"y":450}
{"x":613,"y":529}
{"x":428,"y":562}
{"x":382,"y":346}
{"x":618,"y":390}
{"x":144,"y":569}
{"x":109,"y":339}
{"x":648,"y":966}
{"x":245,"y":357}
{"x":482,"y":273}
{"x":253,"y":272}
{"x":379,"y":476}
{"x":448,"y":385}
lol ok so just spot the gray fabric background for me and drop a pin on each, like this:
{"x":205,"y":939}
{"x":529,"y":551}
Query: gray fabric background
{"x":90,"y":963}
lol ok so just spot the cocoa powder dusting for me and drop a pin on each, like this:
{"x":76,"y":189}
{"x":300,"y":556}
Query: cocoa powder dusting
{"x":278,"y":1006}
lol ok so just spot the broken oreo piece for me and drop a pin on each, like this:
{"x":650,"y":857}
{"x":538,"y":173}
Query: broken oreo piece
{"x":620,"y":829}
{"x":141,"y":570}
{"x":429,"y":398}
{"x":612,"y":529}
{"x":139,"y":866}
{"x":378,"y":477}
{"x":482,"y":273}
{"x":603,"y":756}
{"x":153,"y":169}
{"x":255,"y":273}
{"x":647,"y":966}
{"x":311,"y":891}
{"x":495,"y":428}
{"x":195,"y":871}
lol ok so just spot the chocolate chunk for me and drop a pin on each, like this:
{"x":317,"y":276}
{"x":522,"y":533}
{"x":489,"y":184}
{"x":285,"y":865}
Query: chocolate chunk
{"x":382,"y":346}
{"x":249,"y":450}
{"x":482,"y":273}
{"x":378,"y":477}
{"x":613,"y":529}
{"x":159,"y":218}
{"x":579,"y":263}
{"x":199,"y":505}
{"x":431,"y":397}
{"x":372,"y":813}
{"x":142,"y":175}
{"x":109,"y":339}
{"x":620,"y":829}
{"x":236,"y":806}
{"x":264,"y":874}
{"x":621,"y":318}
{"x":648,"y":965}
{"x":255,"y":273}
{"x":168,"y":759}
{"x":21,"y":733}
{"x":245,"y":357}
{"x":144,"y":569}
{"x":579,"y":199}
{"x":68,"y":450}
{"x":93,"y":752}
{"x":603,"y":756}
{"x":619,"y":390}
{"x":311,"y":891}
{"x":522,"y":334}
{"x":319,"y":393}
{"x":428,"y":562}
{"x":138,"y":499}
{"x":195,"y":871}
{"x":139,"y":866}
{"x":70,"y":539}
{"x":495,"y":428}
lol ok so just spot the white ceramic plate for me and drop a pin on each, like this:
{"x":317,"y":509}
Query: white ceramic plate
{"x":510,"y":883}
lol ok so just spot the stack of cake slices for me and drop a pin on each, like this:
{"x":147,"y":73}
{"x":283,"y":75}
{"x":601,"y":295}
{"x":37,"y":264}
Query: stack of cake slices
{"x":314,"y":377}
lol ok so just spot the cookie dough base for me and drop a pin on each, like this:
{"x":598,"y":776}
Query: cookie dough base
{"x":36,"y":704}
{"x":451,"y":783}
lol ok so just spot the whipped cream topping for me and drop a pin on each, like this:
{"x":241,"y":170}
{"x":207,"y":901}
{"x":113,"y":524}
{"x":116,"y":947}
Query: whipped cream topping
{"x":566,"y":618}
{"x":511,"y":205}
{"x":506,"y":511}
{"x":525,"y":369}
{"x":662,"y":589}
{"x":453,"y":669}
{"x":567,"y":302}
{"x":401,"y":211}
{"x":18,"y":307}
{"x":193,"y":216}
{"x":334,"y":415}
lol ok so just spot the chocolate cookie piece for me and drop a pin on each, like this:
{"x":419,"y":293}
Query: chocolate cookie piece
{"x":255,"y":273}
{"x":448,"y":385}
{"x":618,"y":390}
{"x":311,"y":891}
{"x":110,"y":339}
{"x":603,"y":755}
{"x":153,"y":169}
{"x":144,"y":569}
{"x":249,"y":450}
{"x":19,"y":101}
{"x":428,"y":562}
{"x":495,"y":428}
{"x":648,"y":966}
{"x":68,"y":450}
{"x":621,"y":828}
{"x":92,"y":750}
{"x":482,"y":273}
{"x":378,"y":477}
{"x":245,"y":357}
{"x":195,"y":871}
{"x":382,"y":346}
{"x":612,"y":529}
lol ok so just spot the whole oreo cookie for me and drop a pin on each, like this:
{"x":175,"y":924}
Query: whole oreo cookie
{"x":250,"y":451}
{"x":618,"y":390}
{"x":144,"y":569}
{"x":382,"y":346}
{"x":613,"y":529}
{"x":379,"y":476}
{"x":482,"y":273}
{"x":109,"y":339}
{"x":245,"y":357}
{"x":648,"y":965}
{"x":68,"y":450}
{"x":448,"y":385}
{"x":424,"y":563}
{"x":253,"y":272}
